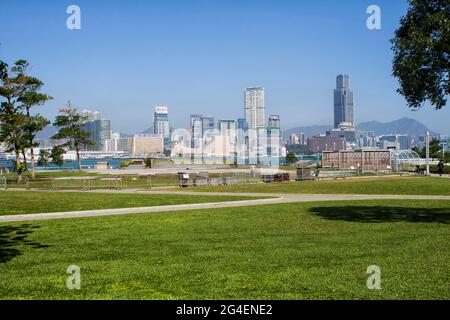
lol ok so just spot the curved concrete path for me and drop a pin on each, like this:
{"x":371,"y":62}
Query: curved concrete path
{"x":276,"y":199}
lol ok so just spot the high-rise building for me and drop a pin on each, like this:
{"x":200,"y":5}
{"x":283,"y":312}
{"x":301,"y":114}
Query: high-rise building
{"x":207,"y":124}
{"x":395,"y":141}
{"x":274,"y":136}
{"x":228,"y":139}
{"x":161,"y":124}
{"x":274,"y":122}
{"x":343,"y":101}
{"x":326,"y":143}
{"x":100,"y":131}
{"x":146,"y":145}
{"x":196,"y":128}
{"x":255,"y":108}
{"x":227,"y":127}
{"x":91,"y":115}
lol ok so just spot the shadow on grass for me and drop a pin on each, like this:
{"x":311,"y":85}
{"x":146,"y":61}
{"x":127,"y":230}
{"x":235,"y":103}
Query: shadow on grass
{"x":11,"y":237}
{"x":383,"y":214}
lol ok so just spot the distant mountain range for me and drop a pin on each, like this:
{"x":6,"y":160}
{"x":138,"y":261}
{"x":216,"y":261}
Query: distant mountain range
{"x":402,"y":126}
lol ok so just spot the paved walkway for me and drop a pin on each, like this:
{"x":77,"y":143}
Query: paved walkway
{"x":276,"y":199}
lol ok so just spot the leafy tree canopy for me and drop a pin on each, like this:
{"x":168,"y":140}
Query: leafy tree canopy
{"x":421,"y":53}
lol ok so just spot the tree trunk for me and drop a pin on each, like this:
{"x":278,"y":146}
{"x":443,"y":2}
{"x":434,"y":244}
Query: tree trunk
{"x":25,"y":165}
{"x":33,"y":173}
{"x":18,"y":169}
{"x":78,"y":158}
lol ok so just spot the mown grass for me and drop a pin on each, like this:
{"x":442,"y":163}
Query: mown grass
{"x":383,"y":185}
{"x":24,"y":202}
{"x":286,"y":251}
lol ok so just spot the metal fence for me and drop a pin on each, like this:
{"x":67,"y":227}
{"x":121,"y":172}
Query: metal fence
{"x":87,"y":183}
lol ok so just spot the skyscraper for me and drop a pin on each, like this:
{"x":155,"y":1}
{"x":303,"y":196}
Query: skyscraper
{"x":254,"y":108}
{"x":274,"y":122}
{"x":100,"y":131}
{"x":161,"y":124}
{"x":274,"y":136}
{"x":91,"y":115}
{"x":343,"y":101}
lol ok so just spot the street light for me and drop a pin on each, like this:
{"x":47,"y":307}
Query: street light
{"x":427,"y":141}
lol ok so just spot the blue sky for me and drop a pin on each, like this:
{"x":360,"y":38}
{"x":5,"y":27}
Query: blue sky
{"x":199,"y":56}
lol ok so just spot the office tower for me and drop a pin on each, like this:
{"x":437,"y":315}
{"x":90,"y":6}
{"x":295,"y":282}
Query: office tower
{"x":207,"y":125}
{"x":90,"y":115}
{"x":242,"y":124}
{"x":318,"y":144}
{"x":161,"y":124}
{"x":274,"y":122}
{"x":343,"y":102}
{"x":111,"y":144}
{"x":395,"y":141}
{"x":302,"y":138}
{"x":274,"y":136}
{"x":196,"y":128}
{"x":100,"y":131}
{"x":227,"y":139}
{"x":227,"y":127}
{"x":254,"y":108}
{"x":146,"y":145}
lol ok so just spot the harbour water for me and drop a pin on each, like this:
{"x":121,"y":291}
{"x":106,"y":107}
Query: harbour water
{"x":114,"y":163}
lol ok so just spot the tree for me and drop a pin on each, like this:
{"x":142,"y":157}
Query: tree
{"x":57,"y":155}
{"x":291,"y":158}
{"x":71,"y":125}
{"x":13,"y":134}
{"x":37,"y":122}
{"x":435,"y":149}
{"x":44,"y":158}
{"x":421,"y":53}
{"x":18,"y":127}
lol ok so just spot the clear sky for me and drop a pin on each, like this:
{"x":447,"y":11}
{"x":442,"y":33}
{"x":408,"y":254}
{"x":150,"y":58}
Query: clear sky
{"x":198,"y":57}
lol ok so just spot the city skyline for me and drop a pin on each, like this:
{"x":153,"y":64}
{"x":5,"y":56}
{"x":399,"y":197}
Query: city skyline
{"x":193,"y":70}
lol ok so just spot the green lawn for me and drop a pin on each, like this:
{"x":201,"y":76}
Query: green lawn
{"x":288,"y":251}
{"x":385,"y":185}
{"x":22,"y":202}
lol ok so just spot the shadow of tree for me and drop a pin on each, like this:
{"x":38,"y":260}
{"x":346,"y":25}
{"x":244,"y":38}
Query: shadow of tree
{"x":13,"y":236}
{"x":380,"y":214}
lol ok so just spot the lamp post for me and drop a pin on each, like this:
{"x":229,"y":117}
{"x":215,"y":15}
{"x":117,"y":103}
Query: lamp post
{"x":427,"y":141}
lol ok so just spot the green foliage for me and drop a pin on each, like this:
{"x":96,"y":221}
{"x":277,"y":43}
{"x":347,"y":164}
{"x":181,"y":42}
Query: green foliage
{"x":291,"y":158}
{"x":434,"y":169}
{"x":435,"y":149}
{"x":44,"y":158}
{"x":71,"y":125}
{"x":125,"y":163}
{"x":18,"y":127}
{"x":298,"y":149}
{"x":148,"y":162}
{"x":57,"y":155}
{"x":421,"y":53}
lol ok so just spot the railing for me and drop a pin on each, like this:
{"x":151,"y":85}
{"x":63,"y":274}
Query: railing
{"x":88,"y":182}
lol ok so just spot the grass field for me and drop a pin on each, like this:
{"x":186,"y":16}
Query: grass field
{"x":384,"y":185}
{"x":23,"y":202}
{"x":288,"y":251}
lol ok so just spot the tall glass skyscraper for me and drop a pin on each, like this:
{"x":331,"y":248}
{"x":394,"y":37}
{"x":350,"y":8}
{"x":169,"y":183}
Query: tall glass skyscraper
{"x":343,"y":101}
{"x":255,"y":108}
{"x":100,"y":131}
{"x":161,"y":124}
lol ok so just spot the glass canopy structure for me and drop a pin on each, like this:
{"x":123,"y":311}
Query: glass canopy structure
{"x":405,"y":160}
